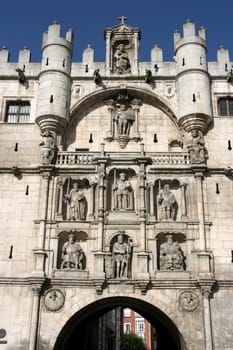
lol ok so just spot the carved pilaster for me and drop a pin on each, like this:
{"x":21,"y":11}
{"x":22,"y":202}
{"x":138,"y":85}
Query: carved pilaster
{"x":101,"y":202}
{"x":93,"y":184}
{"x":136,"y":107}
{"x":110,"y":105}
{"x":36,"y":290}
{"x":200,"y":206}
{"x":183,"y":201}
{"x":59,"y":198}
{"x":206,"y":292}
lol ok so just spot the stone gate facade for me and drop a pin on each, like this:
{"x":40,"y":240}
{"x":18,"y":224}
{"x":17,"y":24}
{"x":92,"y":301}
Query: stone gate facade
{"x":116,"y":181}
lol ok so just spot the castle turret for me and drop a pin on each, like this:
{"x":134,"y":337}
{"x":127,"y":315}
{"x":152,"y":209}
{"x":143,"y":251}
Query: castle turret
{"x":193,"y":83}
{"x":54,"y":80}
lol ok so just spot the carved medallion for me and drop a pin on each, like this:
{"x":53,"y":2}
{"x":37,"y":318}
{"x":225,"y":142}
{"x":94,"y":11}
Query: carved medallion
{"x":188,"y":300}
{"x":2,"y":333}
{"x":54,"y":299}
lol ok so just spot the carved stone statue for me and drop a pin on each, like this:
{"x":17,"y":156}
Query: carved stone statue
{"x":77,"y":203}
{"x":148,"y":76}
{"x":121,"y":60}
{"x":171,"y":255}
{"x":196,"y":147}
{"x":124,"y":120}
{"x":122,"y":193}
{"x":168,"y":204}
{"x":47,"y":148}
{"x":121,"y":253}
{"x":72,"y":254}
{"x":97,"y":77}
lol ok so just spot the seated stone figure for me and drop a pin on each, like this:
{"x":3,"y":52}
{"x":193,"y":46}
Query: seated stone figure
{"x":171,"y":255}
{"x":72,"y":254}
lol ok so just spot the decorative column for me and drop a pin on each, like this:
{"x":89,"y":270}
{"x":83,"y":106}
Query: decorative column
{"x":203,"y":256}
{"x":183,"y":201}
{"x":108,"y":52}
{"x":36,"y":289}
{"x":99,"y":254}
{"x":110,"y":105}
{"x":59,"y":198}
{"x":136,"y":107}
{"x":101,"y":205}
{"x":200,"y":208}
{"x":151,"y":191}
{"x":92,"y":204}
{"x":206,"y":293}
{"x":40,"y":253}
{"x":142,"y":201}
{"x":136,"y":51}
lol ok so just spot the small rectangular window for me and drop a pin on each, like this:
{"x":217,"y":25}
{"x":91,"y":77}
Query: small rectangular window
{"x":127,"y":328}
{"x":225,"y":106}
{"x":18,"y":112}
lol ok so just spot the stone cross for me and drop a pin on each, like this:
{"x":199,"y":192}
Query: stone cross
{"x":122,"y":19}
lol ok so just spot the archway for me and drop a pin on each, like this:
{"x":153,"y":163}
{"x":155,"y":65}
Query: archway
{"x":78,"y":331}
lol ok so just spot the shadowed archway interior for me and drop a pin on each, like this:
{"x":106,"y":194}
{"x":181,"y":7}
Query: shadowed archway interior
{"x":78,"y":331}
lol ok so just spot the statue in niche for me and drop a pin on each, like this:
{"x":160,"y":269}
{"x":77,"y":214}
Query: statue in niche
{"x":124,"y":119}
{"x":167,"y":203}
{"x":121,"y":63}
{"x":122,"y":193}
{"x":72,"y":254}
{"x":48,"y":147}
{"x":171,"y":255}
{"x":77,"y":203}
{"x":121,"y":254}
{"x":196,"y":147}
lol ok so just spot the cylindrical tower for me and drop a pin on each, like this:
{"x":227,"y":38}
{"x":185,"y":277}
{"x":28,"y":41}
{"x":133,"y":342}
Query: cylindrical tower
{"x":192,"y":80}
{"x":54,"y":80}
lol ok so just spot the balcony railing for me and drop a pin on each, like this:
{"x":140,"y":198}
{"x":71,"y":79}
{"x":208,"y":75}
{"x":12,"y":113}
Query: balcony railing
{"x":171,"y":158}
{"x":74,"y":158}
{"x":87,"y":158}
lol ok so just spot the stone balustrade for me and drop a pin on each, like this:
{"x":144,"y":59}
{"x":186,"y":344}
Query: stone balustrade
{"x":87,"y":158}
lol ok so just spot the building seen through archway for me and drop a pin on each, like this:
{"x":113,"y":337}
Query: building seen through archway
{"x":102,"y":325}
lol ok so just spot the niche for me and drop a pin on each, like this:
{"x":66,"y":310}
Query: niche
{"x":72,"y":247}
{"x":171,"y":251}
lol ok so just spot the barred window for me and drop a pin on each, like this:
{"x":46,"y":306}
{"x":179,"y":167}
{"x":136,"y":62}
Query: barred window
{"x":18,"y":112}
{"x":140,"y":327}
{"x":225,"y":106}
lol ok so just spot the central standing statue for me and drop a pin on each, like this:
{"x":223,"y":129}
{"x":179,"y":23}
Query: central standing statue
{"x":77,"y":203}
{"x":121,"y":252}
{"x":122,"y":193}
{"x":168,"y":204}
{"x":124,"y":120}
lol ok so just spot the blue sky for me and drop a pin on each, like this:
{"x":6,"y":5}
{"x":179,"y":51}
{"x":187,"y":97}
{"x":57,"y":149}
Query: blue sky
{"x":24,"y":21}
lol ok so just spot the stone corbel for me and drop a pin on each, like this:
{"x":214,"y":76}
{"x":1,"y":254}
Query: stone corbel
{"x":99,"y":286}
{"x":143,"y":286}
{"x":229,"y":172}
{"x":207,"y":286}
{"x":16,"y":172}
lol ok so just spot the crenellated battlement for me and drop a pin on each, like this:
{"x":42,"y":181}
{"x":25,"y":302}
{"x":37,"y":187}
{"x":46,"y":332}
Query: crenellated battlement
{"x":189,"y":35}
{"x":52,"y":37}
{"x":55,"y":47}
